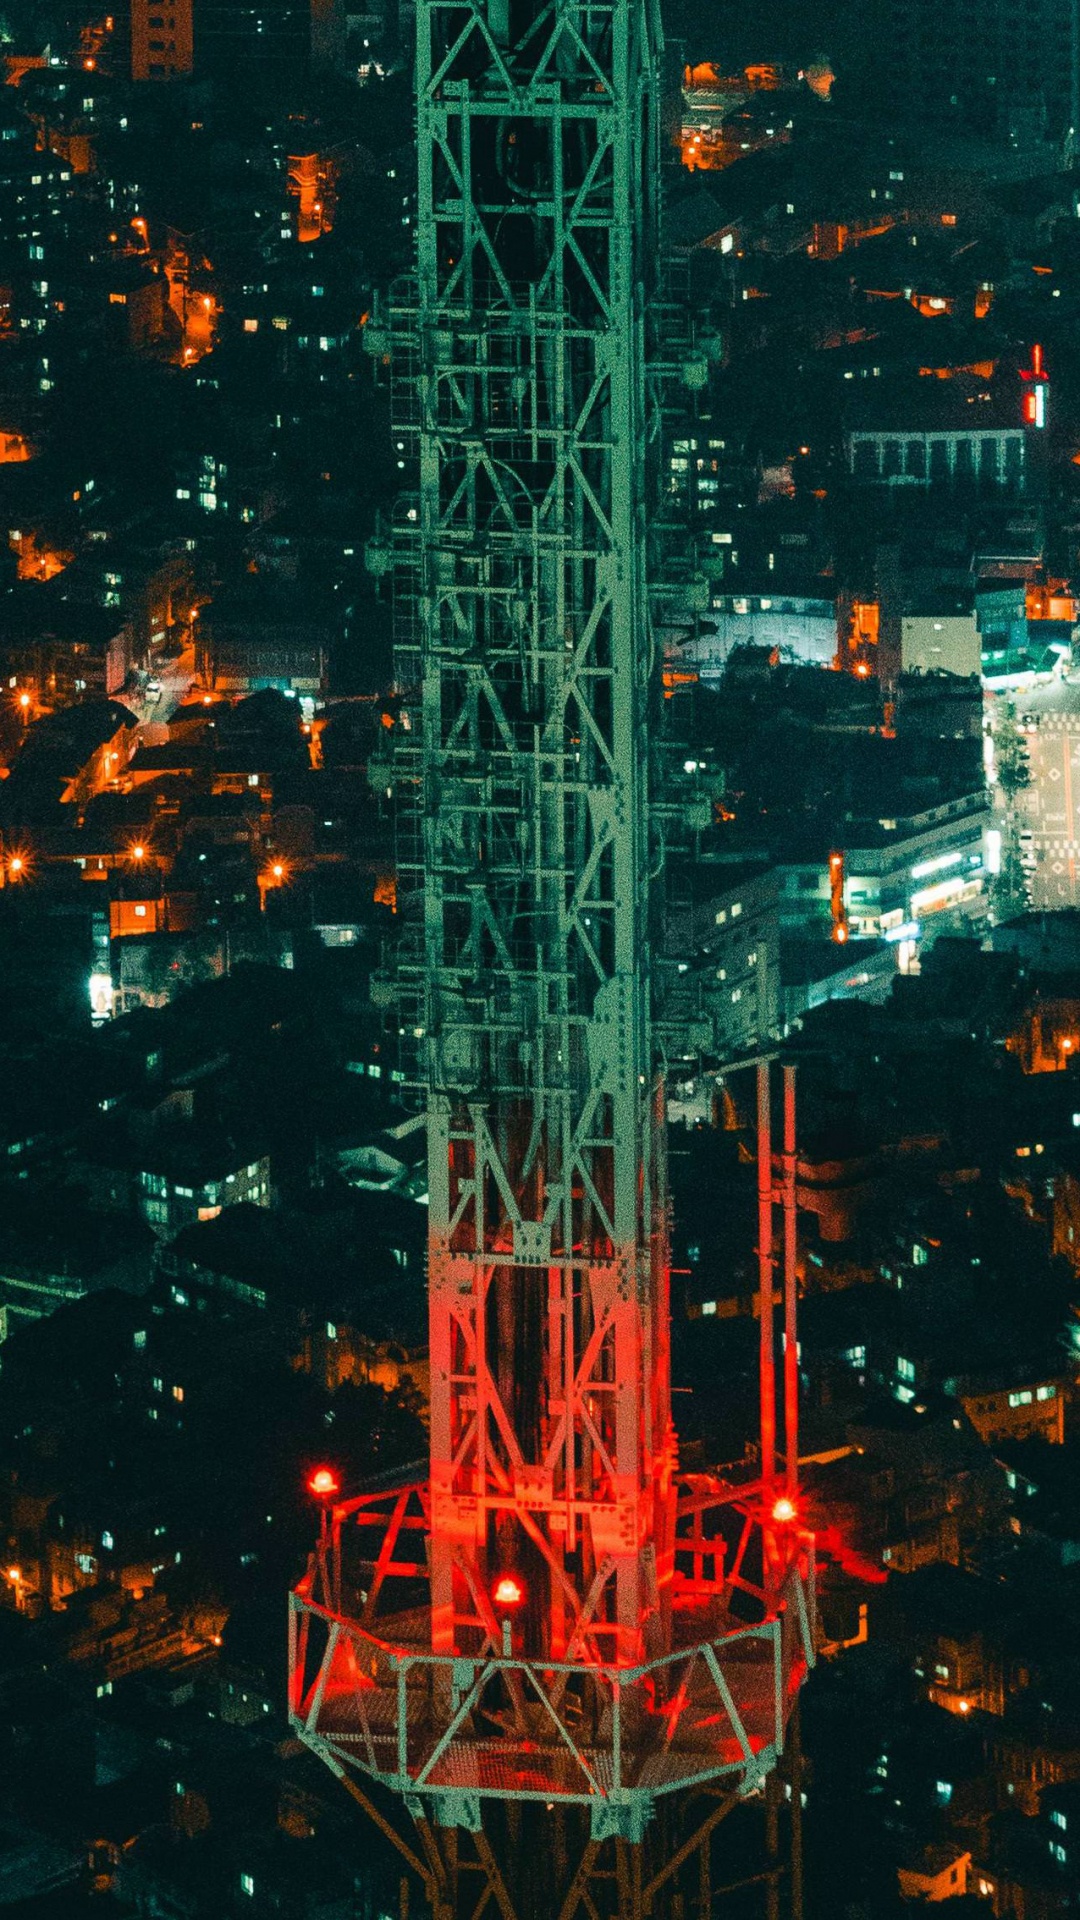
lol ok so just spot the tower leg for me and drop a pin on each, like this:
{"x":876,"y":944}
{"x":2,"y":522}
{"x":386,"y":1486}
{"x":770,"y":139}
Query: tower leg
{"x":794,"y":1771}
{"x":772,"y":1847}
{"x":670,"y":1875}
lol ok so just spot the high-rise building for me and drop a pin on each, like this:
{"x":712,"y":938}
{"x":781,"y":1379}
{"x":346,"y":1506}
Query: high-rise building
{"x":253,"y":42}
{"x":162,"y":40}
{"x":994,"y":65}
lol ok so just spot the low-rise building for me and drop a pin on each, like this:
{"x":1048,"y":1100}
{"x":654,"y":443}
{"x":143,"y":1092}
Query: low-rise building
{"x":936,"y":1872}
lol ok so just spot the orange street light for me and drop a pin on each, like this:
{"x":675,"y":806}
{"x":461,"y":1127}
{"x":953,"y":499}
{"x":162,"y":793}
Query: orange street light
{"x":275,"y":874}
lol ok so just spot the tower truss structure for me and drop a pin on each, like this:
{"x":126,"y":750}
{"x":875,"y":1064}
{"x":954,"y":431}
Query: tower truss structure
{"x":556,"y":1616}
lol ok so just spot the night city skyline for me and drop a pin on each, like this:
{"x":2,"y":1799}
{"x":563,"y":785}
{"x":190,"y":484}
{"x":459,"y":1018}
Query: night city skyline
{"x":540,"y":930}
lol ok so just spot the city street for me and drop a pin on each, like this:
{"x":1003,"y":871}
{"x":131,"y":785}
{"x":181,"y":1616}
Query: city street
{"x":174,"y":677}
{"x":1049,"y":808}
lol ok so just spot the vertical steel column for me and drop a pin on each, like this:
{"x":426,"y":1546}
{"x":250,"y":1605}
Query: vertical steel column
{"x":767,"y":1362}
{"x":791,"y":1330}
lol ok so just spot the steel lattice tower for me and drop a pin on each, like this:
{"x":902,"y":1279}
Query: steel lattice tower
{"x":556,"y":1618}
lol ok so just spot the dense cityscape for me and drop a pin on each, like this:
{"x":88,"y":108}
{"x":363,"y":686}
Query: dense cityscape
{"x":860,"y":897}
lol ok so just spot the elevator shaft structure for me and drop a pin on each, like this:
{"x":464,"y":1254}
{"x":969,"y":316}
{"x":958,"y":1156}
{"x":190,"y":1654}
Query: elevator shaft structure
{"x":555,"y":1615}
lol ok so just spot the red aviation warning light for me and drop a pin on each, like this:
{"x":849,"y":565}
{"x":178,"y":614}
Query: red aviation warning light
{"x":324,"y":1483}
{"x":784,"y":1511}
{"x":508,"y":1592}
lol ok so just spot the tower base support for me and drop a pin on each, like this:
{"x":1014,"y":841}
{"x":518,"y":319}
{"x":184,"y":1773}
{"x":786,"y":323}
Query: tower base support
{"x":713,"y":1853}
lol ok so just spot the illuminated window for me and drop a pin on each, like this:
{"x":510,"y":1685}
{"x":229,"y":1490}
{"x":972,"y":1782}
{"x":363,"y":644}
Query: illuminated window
{"x":107,"y":1540}
{"x":247,"y":1883}
{"x":1023,"y":1399}
{"x":251,"y":326}
{"x":905,"y":1369}
{"x":943,"y":1790}
{"x":708,"y":1306}
{"x":1046,"y":1393}
{"x":1057,"y":1819}
{"x":178,"y":1393}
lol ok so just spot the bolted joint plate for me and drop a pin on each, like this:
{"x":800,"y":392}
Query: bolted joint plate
{"x":621,"y":1819}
